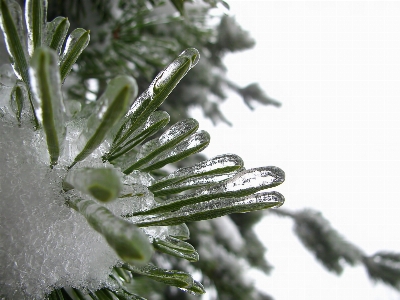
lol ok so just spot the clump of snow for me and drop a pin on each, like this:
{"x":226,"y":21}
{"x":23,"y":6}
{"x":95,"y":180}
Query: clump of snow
{"x":44,"y":244}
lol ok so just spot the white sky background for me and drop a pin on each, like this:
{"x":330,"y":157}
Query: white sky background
{"x":335,"y":67}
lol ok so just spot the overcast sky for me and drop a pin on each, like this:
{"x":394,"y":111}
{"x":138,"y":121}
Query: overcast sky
{"x":335,"y":67}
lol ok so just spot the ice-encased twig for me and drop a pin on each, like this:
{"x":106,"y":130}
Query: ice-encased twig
{"x":213,"y":209}
{"x":128,"y":241}
{"x":242,"y":184}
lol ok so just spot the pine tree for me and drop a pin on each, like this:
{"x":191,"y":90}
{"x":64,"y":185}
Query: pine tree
{"x":138,"y":38}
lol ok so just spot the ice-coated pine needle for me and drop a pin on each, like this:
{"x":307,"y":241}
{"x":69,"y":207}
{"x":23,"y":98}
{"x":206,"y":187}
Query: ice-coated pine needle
{"x":213,"y":209}
{"x":128,"y":241}
{"x":191,"y":145}
{"x":77,"y":41}
{"x":48,"y":103}
{"x":110,"y":108}
{"x":220,"y":164}
{"x":104,"y":184}
{"x":168,"y":247}
{"x":56,"y":33}
{"x":157,"y":92}
{"x":156,"y":121}
{"x":195,"y":182}
{"x":35,"y":15}
{"x":171,"y":277}
{"x":14,"y":33}
{"x":242,"y":184}
{"x":175,"y":134}
{"x":18,"y":96}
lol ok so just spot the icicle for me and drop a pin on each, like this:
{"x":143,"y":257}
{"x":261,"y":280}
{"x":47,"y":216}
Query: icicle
{"x":220,"y":164}
{"x":56,"y":33}
{"x":77,"y":41}
{"x":110,"y":108}
{"x":35,"y":16}
{"x":213,"y":209}
{"x":128,"y":241}
{"x":48,"y":104}
{"x":102,"y":184}
{"x":242,"y":184}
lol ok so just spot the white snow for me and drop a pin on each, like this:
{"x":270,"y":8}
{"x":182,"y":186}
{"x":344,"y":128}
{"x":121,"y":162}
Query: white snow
{"x":43,"y":243}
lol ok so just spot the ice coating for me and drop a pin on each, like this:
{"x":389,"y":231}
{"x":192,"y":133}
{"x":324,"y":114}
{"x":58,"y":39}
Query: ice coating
{"x":18,"y":101}
{"x":192,"y":144}
{"x":176,"y":247}
{"x":173,"y":135}
{"x":242,"y":184}
{"x":194,"y":183}
{"x":158,"y":91}
{"x":134,"y":197}
{"x":155,"y":122}
{"x":152,"y":148}
{"x":213,"y":209}
{"x":102,"y":184}
{"x":48,"y":102}
{"x":43,"y":242}
{"x":77,"y":41}
{"x":56,"y":31}
{"x":7,"y":77}
{"x":128,"y":241}
{"x":35,"y":16}
{"x":109,"y":109}
{"x":14,"y":36}
{"x":171,"y":75}
{"x":217,"y":165}
{"x":179,"y":231}
{"x":171,"y":277}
